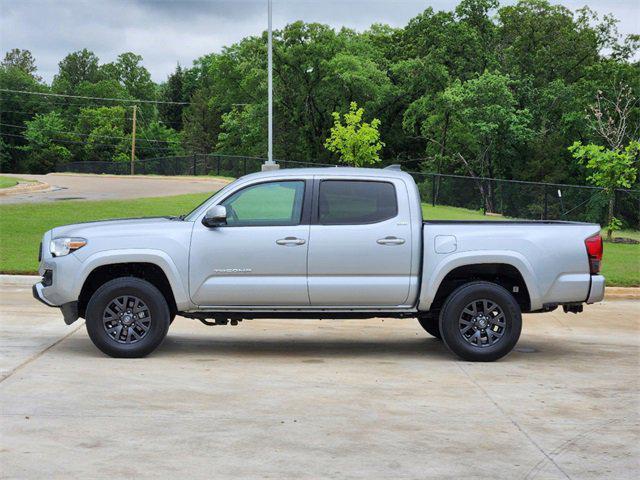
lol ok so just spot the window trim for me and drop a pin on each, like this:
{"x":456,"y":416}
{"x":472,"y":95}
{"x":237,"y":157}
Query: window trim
{"x":315,"y":216}
{"x":306,"y":202}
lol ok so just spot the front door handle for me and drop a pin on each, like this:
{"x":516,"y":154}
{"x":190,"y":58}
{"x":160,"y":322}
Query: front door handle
{"x":290,"y":241}
{"x":391,"y":241}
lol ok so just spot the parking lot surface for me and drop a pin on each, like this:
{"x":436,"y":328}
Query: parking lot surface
{"x":111,"y":187}
{"x":320,"y":399}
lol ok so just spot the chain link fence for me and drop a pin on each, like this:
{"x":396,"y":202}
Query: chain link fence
{"x":509,"y":198}
{"x":529,"y":200}
{"x":211,"y":164}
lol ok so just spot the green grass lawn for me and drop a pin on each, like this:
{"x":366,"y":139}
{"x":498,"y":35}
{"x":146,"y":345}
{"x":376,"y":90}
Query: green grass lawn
{"x":22,"y":226}
{"x":6,"y":182}
{"x":441,"y":212}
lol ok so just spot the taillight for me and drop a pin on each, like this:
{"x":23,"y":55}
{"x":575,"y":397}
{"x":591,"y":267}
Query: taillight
{"x":594,"y":252}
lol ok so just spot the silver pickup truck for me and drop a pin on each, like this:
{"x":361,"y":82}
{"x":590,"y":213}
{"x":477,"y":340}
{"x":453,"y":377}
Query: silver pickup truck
{"x":317,"y":243}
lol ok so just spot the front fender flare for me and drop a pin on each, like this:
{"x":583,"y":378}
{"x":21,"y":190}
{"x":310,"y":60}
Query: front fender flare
{"x":156,"y":257}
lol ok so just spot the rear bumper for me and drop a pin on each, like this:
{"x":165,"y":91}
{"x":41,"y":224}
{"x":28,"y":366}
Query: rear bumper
{"x":596,"y":291}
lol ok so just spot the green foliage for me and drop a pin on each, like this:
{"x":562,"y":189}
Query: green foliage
{"x":157,"y":140}
{"x":45,"y":143}
{"x":613,"y":226}
{"x":101,"y":130}
{"x":75,"y":68}
{"x":357,"y":142}
{"x":22,"y":60}
{"x":609,"y":169}
{"x":173,"y":91}
{"x":243,"y":131}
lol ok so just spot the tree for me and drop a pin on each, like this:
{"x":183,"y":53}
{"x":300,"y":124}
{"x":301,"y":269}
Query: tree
{"x":610,"y":169}
{"x":16,"y":109}
{"x":157,"y":140}
{"x":173,"y":91}
{"x":75,"y":68}
{"x":46,"y":139}
{"x":357,"y":142}
{"x":611,"y":118}
{"x":244,"y":131}
{"x":486,"y":125}
{"x":132,"y":75}
{"x":201,"y":123}
{"x":22,"y":60}
{"x":102,"y":132}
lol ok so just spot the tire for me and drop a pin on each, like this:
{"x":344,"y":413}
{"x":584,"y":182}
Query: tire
{"x":486,"y":335}
{"x":431,"y":325}
{"x":119,"y":333}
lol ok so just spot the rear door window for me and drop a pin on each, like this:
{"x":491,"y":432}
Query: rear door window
{"x":351,"y":202}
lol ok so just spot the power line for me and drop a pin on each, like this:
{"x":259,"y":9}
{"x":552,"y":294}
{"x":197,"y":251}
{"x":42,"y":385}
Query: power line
{"x":22,"y":112}
{"x":83,"y":134}
{"x":145,"y":136}
{"x":92,"y":98}
{"x":74,"y":142}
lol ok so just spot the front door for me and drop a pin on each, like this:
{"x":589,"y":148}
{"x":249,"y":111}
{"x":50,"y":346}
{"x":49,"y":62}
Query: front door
{"x":260,"y":257}
{"x":360,"y":245}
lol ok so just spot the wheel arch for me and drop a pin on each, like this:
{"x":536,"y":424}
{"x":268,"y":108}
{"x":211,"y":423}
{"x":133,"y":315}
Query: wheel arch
{"x":508,"y":272}
{"x":156,"y":267}
{"x":150,"y":272}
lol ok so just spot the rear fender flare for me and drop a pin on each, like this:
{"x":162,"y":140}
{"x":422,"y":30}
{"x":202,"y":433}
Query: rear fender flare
{"x":433,"y":277}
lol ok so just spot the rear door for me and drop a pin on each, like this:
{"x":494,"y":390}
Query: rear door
{"x":359,"y":243}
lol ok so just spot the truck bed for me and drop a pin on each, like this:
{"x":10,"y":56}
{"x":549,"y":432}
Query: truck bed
{"x":552,"y":262}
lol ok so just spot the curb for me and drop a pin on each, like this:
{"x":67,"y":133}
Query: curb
{"x":18,"y":280}
{"x":622,"y":293}
{"x":24,"y":188}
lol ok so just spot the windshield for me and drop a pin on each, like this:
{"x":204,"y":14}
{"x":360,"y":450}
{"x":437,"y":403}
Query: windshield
{"x":194,"y":213}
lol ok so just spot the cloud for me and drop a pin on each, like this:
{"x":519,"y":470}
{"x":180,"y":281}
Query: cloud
{"x":165,"y":32}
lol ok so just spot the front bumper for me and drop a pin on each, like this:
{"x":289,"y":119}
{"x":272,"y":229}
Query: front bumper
{"x":69,"y":310}
{"x":38,"y":294}
{"x":596,"y":291}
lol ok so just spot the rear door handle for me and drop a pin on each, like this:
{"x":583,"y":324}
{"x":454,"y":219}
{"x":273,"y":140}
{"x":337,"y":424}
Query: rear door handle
{"x":391,"y":241}
{"x":290,"y":241}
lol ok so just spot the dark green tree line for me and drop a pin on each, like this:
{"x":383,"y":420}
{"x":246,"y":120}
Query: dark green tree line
{"x":485,"y":89}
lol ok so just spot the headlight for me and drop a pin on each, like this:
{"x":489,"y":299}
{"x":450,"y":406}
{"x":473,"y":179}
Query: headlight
{"x":59,"y":247}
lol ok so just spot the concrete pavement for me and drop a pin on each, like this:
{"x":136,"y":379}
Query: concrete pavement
{"x":320,"y":399}
{"x":111,"y":187}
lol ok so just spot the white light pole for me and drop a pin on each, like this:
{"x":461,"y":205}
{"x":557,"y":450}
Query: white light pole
{"x":270,"y":164}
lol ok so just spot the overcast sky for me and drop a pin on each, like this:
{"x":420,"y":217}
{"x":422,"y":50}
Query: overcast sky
{"x":165,"y":32}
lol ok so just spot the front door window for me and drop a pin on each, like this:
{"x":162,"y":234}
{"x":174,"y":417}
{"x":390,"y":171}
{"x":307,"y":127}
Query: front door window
{"x":266,"y":204}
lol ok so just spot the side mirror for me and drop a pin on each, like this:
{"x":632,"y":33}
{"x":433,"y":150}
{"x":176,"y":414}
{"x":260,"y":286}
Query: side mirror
{"x":215,"y":216}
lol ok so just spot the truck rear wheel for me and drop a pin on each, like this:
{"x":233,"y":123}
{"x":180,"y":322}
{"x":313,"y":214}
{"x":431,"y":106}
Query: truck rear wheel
{"x":127,"y":317}
{"x":431,"y":325}
{"x":480,"y":322}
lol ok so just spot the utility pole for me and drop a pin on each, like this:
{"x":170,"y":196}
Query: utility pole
{"x":270,"y":164}
{"x":133,"y":138}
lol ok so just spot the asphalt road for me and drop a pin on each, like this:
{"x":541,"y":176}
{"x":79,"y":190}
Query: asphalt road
{"x":105,"y":187}
{"x":320,"y":399}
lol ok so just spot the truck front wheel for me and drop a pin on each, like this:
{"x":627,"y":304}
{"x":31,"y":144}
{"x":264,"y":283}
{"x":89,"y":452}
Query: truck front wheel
{"x":480,"y":322}
{"x":127,"y":317}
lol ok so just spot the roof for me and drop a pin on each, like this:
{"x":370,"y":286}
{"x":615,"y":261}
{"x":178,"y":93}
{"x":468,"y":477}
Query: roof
{"x":329,"y":171}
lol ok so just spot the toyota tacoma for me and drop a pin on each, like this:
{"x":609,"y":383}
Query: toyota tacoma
{"x":318,"y":243}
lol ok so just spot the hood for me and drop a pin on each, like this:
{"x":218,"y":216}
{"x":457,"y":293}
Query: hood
{"x":116,"y":227}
